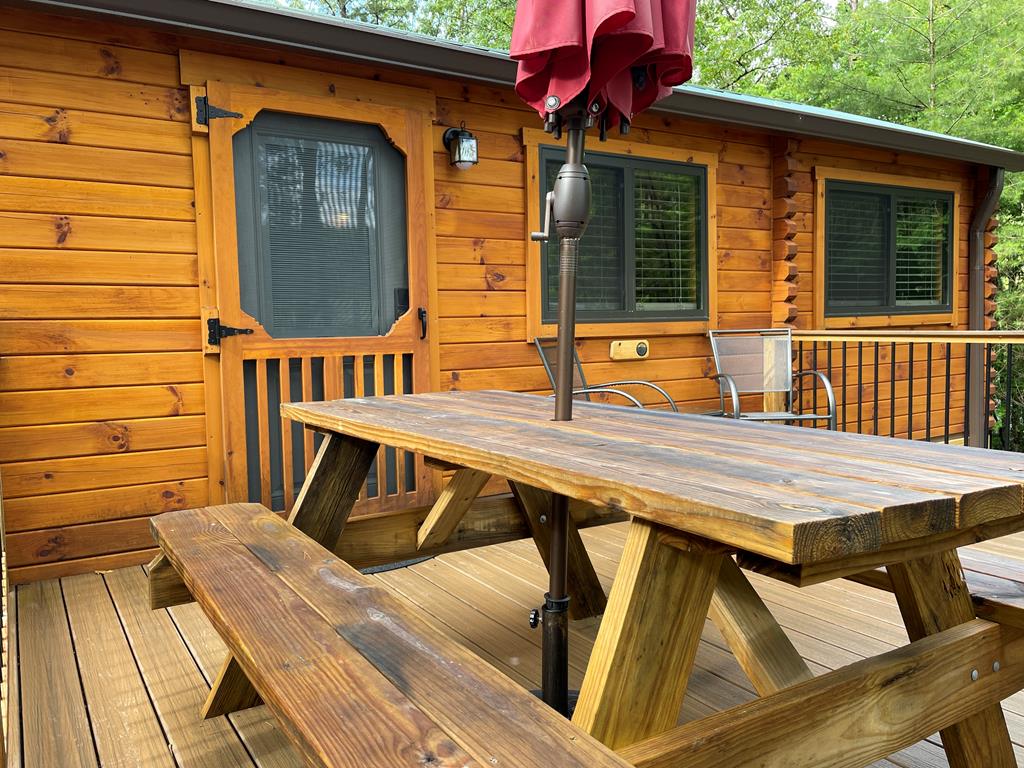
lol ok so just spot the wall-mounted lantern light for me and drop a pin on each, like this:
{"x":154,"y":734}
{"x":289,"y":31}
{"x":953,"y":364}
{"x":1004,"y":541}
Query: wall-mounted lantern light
{"x":461,"y":146}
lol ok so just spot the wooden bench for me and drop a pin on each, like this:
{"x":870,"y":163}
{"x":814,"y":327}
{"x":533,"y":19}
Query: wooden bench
{"x":996,"y":584}
{"x":353,"y":675}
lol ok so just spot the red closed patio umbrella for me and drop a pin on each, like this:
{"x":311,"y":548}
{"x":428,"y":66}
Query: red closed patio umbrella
{"x":581,"y":63}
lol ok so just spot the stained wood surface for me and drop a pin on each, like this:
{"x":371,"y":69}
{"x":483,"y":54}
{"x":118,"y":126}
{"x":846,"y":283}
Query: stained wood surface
{"x":858,"y":714}
{"x":415,"y":695}
{"x":933,"y":597}
{"x":479,"y":599}
{"x":451,"y":506}
{"x":996,"y":585}
{"x":41,"y":615}
{"x":644,"y":653}
{"x":754,"y":636}
{"x":762,"y":488}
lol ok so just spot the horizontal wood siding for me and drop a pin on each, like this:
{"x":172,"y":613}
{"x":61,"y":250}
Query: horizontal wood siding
{"x":482,"y":264}
{"x":854,"y":382}
{"x":102,"y":401}
{"x":101,"y":397}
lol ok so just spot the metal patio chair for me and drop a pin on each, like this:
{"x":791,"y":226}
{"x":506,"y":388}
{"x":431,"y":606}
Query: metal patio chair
{"x":548,"y":350}
{"x":759,"y":361}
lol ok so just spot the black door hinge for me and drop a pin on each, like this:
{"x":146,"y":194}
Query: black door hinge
{"x":205,"y":111}
{"x":218,"y":331}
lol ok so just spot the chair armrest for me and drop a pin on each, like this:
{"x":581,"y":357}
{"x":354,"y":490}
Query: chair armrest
{"x":733,"y":392}
{"x":655,"y":387}
{"x":829,"y":392}
{"x":606,"y":390}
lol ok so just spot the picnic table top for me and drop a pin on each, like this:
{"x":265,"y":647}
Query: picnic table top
{"x":792,"y":494}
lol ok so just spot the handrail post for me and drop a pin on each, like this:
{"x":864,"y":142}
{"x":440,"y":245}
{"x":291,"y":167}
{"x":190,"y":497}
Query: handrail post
{"x":975,"y":428}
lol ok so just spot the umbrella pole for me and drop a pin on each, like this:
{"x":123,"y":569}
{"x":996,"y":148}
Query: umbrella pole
{"x":572,"y":209}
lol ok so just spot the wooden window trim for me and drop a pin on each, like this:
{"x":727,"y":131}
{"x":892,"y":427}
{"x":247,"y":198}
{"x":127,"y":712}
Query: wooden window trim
{"x":533,"y":139}
{"x":822,"y":175}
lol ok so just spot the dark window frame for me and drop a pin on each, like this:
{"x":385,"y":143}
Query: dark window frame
{"x":893,"y":193}
{"x":628,"y":164}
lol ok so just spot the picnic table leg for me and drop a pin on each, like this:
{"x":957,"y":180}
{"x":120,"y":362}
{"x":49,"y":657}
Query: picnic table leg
{"x":584,"y":586}
{"x":757,"y":641}
{"x":321,"y":510}
{"x":933,"y":596}
{"x":638,"y":671}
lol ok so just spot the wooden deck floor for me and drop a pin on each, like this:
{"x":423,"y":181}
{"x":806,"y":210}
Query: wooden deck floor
{"x":102,"y":680}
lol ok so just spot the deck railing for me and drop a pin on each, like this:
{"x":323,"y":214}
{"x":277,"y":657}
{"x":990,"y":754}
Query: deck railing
{"x":948,"y":386}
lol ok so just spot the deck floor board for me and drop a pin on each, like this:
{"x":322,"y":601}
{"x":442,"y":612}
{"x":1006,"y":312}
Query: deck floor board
{"x":161,"y":663}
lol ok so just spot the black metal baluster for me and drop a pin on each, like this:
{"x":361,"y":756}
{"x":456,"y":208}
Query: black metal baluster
{"x":831,"y":376}
{"x":928,"y":397}
{"x":910,"y":391}
{"x":844,"y":386}
{"x":892,"y":390}
{"x":800,"y":380}
{"x":874,"y":430}
{"x":988,"y":391}
{"x":945,"y":435}
{"x":1008,"y":406}
{"x":814,"y":365}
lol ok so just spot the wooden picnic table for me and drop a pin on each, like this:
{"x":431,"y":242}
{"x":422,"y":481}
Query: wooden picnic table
{"x":705,"y":496}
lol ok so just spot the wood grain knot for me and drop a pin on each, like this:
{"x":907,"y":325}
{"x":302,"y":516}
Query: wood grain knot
{"x":53,"y":546}
{"x":62,"y":228}
{"x":111,"y":64}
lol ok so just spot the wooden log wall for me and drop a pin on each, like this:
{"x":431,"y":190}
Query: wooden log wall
{"x":102,"y":403}
{"x":786,"y":184}
{"x":101,"y":395}
{"x":851,"y":387}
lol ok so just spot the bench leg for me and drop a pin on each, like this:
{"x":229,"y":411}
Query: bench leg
{"x":754,"y":636}
{"x":641,"y":663}
{"x":584,"y":587}
{"x":933,"y":597}
{"x":166,"y":587}
{"x":321,"y":510}
{"x":231,"y":691}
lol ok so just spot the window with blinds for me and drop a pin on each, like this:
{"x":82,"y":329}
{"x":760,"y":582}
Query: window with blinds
{"x":321,"y":227}
{"x":888,"y":250}
{"x":644,"y":253}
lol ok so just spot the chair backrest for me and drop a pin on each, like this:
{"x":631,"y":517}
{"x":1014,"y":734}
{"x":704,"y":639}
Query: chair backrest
{"x":758,"y":360}
{"x":548,"y":350}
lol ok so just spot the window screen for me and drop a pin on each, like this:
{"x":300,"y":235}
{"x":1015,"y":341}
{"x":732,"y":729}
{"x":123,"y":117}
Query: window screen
{"x":644,"y":251}
{"x":321,"y":227}
{"x":887,"y":249}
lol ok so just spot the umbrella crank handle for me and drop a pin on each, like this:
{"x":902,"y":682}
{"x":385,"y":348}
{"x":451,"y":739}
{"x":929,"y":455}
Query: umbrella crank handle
{"x":545,"y":234}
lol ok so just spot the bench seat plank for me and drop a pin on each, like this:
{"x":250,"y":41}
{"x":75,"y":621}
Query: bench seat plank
{"x":352,"y":673}
{"x":295,"y":658}
{"x":996,"y":585}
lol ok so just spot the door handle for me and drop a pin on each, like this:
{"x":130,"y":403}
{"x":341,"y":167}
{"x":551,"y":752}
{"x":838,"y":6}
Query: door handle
{"x":422,"y":314}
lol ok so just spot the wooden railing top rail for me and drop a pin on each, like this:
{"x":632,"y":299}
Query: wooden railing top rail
{"x":914,"y":336}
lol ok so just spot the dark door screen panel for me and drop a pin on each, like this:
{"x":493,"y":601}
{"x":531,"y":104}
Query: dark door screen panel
{"x":321,"y":226}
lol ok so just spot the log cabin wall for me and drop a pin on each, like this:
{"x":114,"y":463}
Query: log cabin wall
{"x":101,"y":378}
{"x":805,"y":160}
{"x":108,"y":407}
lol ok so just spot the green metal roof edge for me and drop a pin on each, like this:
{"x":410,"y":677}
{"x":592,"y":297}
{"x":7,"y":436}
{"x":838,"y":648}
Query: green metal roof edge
{"x":268,"y":25}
